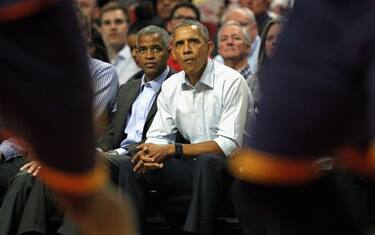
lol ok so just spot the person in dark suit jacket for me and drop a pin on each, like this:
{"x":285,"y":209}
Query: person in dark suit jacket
{"x":136,"y":106}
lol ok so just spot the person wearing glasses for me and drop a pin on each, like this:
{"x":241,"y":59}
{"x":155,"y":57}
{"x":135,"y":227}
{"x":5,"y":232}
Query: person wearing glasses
{"x":182,"y":11}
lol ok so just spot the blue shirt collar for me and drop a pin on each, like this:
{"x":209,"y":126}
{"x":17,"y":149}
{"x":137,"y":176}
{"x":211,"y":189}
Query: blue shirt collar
{"x":156,"y":83}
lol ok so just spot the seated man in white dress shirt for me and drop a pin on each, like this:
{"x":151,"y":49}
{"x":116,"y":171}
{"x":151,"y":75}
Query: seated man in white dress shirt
{"x":207,"y":103}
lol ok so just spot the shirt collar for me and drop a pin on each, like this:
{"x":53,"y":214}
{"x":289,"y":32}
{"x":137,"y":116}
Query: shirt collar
{"x":156,"y":83}
{"x":206,"y":78}
{"x":246,"y":71}
{"x":124,"y":53}
{"x":255,"y":45}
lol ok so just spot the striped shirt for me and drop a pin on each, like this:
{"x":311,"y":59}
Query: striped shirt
{"x":104,"y":84}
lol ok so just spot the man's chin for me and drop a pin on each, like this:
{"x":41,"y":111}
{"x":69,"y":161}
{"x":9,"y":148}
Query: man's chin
{"x":115,"y":44}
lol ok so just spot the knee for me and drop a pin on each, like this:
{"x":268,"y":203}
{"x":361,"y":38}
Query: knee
{"x":211,"y":161}
{"x":126,"y":165}
{"x":22,"y":180}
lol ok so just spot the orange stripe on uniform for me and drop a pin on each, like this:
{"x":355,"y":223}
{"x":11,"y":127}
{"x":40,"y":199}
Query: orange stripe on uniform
{"x":357,"y":160}
{"x":21,"y":9}
{"x":74,"y":184}
{"x":264,"y":168}
{"x":259,"y":167}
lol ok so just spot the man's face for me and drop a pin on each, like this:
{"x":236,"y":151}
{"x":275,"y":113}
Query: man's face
{"x":152,"y":55}
{"x":114,"y":28}
{"x":272,"y":39}
{"x":191,"y":49}
{"x":181,"y":14}
{"x":89,"y":7}
{"x":239,"y":17}
{"x":231,"y":43}
{"x":132,"y":43}
{"x":164,"y":7}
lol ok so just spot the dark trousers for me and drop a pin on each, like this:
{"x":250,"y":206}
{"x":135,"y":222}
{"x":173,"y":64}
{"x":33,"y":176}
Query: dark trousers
{"x":9,"y":169}
{"x":334,"y":204}
{"x":27,"y":205}
{"x":202,"y":176}
{"x":113,"y":163}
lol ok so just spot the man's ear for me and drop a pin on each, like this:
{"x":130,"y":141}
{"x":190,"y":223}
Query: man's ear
{"x":211,"y":46}
{"x":248,"y":48}
{"x":171,"y":49}
{"x":168,"y":26}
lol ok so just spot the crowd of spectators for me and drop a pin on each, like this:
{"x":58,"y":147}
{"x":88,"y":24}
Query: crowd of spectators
{"x":179,"y":98}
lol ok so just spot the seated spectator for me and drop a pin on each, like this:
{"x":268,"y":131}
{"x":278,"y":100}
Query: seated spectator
{"x":234,"y":46}
{"x":180,"y":12}
{"x":260,"y":9}
{"x":245,"y":18}
{"x":136,"y":106}
{"x":114,"y":26}
{"x":164,"y":8}
{"x":207,"y":103}
{"x":269,"y":43}
{"x":134,"y":28}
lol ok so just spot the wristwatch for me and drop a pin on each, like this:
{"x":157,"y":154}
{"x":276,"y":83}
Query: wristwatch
{"x":179,"y":151}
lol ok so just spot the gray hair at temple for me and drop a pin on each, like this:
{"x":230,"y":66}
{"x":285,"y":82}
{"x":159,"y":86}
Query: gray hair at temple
{"x":247,"y":12}
{"x":152,"y":29}
{"x":202,"y":28}
{"x":244,"y":31}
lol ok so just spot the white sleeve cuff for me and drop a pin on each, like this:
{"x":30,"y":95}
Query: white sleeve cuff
{"x":228,"y":146}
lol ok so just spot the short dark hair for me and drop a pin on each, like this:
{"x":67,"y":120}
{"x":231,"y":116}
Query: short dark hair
{"x":152,"y":29}
{"x":202,"y":27}
{"x":111,"y":6}
{"x":83,"y":23}
{"x":137,"y":26}
{"x":186,"y":4}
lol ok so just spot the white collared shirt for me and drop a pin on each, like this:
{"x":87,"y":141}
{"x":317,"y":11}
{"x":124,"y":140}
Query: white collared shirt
{"x":214,"y":109}
{"x":125,"y":65}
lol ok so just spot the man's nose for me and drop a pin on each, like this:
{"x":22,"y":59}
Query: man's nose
{"x":112,"y":25}
{"x":149,"y":54}
{"x":230,"y":41}
{"x":186,"y":48}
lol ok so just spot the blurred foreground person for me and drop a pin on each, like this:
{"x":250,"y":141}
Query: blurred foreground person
{"x":318,"y":100}
{"x":45,"y":80}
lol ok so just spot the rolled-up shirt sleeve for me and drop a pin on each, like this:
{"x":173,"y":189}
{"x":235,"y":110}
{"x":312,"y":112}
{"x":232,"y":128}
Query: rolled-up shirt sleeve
{"x":238,"y":105}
